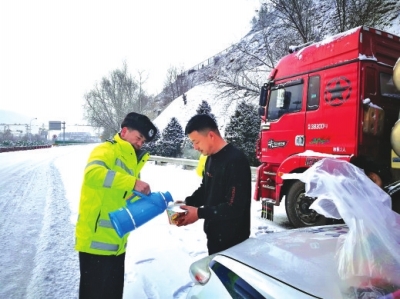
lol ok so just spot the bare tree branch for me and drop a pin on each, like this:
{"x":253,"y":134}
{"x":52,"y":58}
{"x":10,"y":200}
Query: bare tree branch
{"x":118,"y":94}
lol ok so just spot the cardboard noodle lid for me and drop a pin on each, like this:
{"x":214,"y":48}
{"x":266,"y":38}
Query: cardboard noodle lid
{"x":173,"y":212}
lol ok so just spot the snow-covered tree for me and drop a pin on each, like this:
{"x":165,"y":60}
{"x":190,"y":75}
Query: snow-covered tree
{"x":243,"y":130}
{"x":176,"y":84}
{"x":188,"y":152}
{"x":205,"y":108}
{"x":153,"y":146}
{"x":171,"y":139}
{"x":298,"y":15}
{"x":348,"y":14}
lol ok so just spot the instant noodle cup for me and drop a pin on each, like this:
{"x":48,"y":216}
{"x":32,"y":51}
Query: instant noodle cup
{"x":174,"y":211}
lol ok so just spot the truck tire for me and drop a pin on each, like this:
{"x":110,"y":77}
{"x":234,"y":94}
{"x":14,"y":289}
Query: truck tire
{"x":297,"y":208}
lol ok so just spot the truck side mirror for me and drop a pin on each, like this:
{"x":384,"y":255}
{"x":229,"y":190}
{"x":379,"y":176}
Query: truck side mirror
{"x":261,"y":111}
{"x":263,"y":95}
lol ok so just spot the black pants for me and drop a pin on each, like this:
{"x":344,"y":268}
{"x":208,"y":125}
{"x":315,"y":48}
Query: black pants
{"x":101,"y":276}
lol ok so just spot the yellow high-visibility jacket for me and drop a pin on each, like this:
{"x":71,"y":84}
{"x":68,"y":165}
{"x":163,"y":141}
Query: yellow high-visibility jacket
{"x":109,"y":178}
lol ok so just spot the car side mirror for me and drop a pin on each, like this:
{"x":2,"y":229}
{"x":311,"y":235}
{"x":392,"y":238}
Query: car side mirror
{"x":261,"y":111}
{"x":263,"y":95}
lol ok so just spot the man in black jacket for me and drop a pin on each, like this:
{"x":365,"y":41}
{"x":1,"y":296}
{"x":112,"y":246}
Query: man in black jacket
{"x":224,"y":197}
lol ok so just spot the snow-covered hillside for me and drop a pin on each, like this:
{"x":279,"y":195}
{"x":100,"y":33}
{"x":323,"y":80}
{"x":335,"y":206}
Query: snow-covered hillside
{"x":222,"y":108}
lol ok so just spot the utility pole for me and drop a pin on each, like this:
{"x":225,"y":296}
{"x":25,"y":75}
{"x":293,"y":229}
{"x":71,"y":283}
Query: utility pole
{"x":30,"y":128}
{"x":63,"y":123}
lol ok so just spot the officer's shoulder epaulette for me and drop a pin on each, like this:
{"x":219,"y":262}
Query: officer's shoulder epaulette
{"x":111,"y":141}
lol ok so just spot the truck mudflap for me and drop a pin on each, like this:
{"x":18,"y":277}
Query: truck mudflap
{"x":265,"y":188}
{"x":256,"y":195}
{"x":267,"y":207}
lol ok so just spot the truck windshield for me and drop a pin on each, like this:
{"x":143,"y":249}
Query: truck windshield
{"x":291,"y":102}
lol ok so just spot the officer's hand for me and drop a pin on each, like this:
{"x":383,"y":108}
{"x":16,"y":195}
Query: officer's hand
{"x":142,"y":187}
{"x":189,"y":217}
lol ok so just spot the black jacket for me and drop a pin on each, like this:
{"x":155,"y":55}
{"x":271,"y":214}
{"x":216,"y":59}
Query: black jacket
{"x":224,"y":198}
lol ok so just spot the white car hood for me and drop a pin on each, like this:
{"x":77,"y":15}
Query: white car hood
{"x":302,"y":258}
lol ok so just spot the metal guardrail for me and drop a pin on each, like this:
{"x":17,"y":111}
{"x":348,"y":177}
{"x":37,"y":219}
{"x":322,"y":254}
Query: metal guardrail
{"x":206,"y":62}
{"x":187,"y":162}
{"x":176,"y":161}
{"x":22,"y":148}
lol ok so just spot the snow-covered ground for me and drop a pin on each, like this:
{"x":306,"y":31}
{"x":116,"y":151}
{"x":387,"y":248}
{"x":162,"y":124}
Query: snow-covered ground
{"x":39,"y":197}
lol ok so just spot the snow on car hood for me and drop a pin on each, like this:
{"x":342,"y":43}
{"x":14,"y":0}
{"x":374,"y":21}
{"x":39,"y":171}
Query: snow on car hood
{"x":303,"y":258}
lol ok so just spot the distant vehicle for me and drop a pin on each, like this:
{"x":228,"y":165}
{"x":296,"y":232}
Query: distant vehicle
{"x":298,"y":263}
{"x":336,"y":98}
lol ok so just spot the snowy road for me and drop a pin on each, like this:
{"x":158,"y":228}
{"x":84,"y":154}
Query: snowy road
{"x":39,"y":197}
{"x":36,"y":230}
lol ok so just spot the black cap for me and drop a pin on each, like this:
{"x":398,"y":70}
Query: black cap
{"x":141,"y":123}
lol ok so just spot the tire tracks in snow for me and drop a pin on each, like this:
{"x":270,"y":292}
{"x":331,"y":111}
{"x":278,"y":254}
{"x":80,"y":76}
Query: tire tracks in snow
{"x":56,"y":270}
{"x":21,"y":210}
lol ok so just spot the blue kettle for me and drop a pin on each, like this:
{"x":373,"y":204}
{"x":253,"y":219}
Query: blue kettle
{"x":137,"y":213}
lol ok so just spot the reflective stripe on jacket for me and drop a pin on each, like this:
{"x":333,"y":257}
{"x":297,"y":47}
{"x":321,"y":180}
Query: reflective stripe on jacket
{"x":109,"y":177}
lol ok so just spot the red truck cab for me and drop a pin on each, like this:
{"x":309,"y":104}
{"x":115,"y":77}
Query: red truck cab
{"x":331,"y":98}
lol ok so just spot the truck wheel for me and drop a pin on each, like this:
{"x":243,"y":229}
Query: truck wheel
{"x":297,"y":207}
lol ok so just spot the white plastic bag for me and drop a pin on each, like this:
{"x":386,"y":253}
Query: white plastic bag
{"x":369,"y":254}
